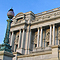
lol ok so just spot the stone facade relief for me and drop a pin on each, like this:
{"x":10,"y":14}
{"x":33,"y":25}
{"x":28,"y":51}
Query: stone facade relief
{"x":59,"y":35}
{"x":17,"y":38}
{"x":47,"y":35}
{"x":46,"y":16}
{"x":35,"y":38}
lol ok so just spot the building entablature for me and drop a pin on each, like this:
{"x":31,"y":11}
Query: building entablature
{"x":31,"y":18}
{"x":18,"y":27}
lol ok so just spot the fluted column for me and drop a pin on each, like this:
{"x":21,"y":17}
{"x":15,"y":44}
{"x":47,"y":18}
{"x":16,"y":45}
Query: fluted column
{"x":27,"y":40}
{"x":12,"y":38}
{"x":19,"y":42}
{"x":53,"y":34}
{"x":12,"y":41}
{"x":41,"y":33}
{"x":38,"y":37}
{"x":50,"y":43}
{"x":22,"y":43}
{"x":29,"y":43}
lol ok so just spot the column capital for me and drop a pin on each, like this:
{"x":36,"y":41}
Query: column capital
{"x":28,"y":30}
{"x":41,"y":27}
{"x":38,"y":28}
{"x":53,"y":24}
{"x":20,"y":29}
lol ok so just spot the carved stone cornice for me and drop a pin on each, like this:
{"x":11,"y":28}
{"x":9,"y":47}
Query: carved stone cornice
{"x":47,"y":15}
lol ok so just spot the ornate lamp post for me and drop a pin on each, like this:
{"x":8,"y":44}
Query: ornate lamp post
{"x":5,"y":46}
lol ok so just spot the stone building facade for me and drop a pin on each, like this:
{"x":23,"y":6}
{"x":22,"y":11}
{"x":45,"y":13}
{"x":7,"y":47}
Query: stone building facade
{"x":36,"y":36}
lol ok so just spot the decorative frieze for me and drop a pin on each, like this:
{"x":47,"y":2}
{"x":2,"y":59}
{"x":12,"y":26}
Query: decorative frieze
{"x":46,"y":16}
{"x":17,"y":38}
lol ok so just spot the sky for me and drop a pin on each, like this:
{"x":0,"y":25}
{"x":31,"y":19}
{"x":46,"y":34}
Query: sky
{"x":36,"y":6}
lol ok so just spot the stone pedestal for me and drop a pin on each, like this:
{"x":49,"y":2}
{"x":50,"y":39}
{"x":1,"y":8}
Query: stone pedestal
{"x":4,"y":55}
{"x":55,"y":52}
{"x":21,"y":50}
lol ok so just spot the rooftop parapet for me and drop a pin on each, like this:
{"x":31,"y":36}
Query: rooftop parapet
{"x":47,"y":11}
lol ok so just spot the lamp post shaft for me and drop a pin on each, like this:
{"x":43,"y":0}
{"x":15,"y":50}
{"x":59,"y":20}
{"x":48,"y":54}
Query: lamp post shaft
{"x":6,"y":39}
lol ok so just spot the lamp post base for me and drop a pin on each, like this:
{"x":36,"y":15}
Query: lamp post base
{"x":5,"y":47}
{"x":4,"y":55}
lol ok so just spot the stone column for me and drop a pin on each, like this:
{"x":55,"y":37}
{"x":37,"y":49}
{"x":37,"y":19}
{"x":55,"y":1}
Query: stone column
{"x":50,"y":43}
{"x":41,"y":33}
{"x":38,"y":37}
{"x":19,"y":42}
{"x":29,"y":42}
{"x":12,"y":41}
{"x":53,"y":34}
{"x":22,"y":43}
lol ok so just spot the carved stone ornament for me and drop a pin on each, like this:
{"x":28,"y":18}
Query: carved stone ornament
{"x":35,"y":38}
{"x":47,"y":36}
{"x":17,"y":38}
{"x":58,"y":33}
{"x":47,"y":16}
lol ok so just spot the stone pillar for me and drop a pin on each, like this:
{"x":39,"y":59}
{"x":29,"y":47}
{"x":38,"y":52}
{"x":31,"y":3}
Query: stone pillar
{"x":53,"y":34}
{"x":38,"y":37}
{"x":29,"y":44}
{"x":19,"y":42}
{"x":22,"y":38}
{"x":12,"y":41}
{"x":50,"y":43}
{"x":22,"y":42}
{"x":55,"y":52}
{"x":27,"y":39}
{"x":41,"y":34}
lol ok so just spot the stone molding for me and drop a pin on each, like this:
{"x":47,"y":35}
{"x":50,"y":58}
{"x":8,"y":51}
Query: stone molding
{"x":55,"y":46}
{"x":36,"y":54}
{"x":17,"y":53}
